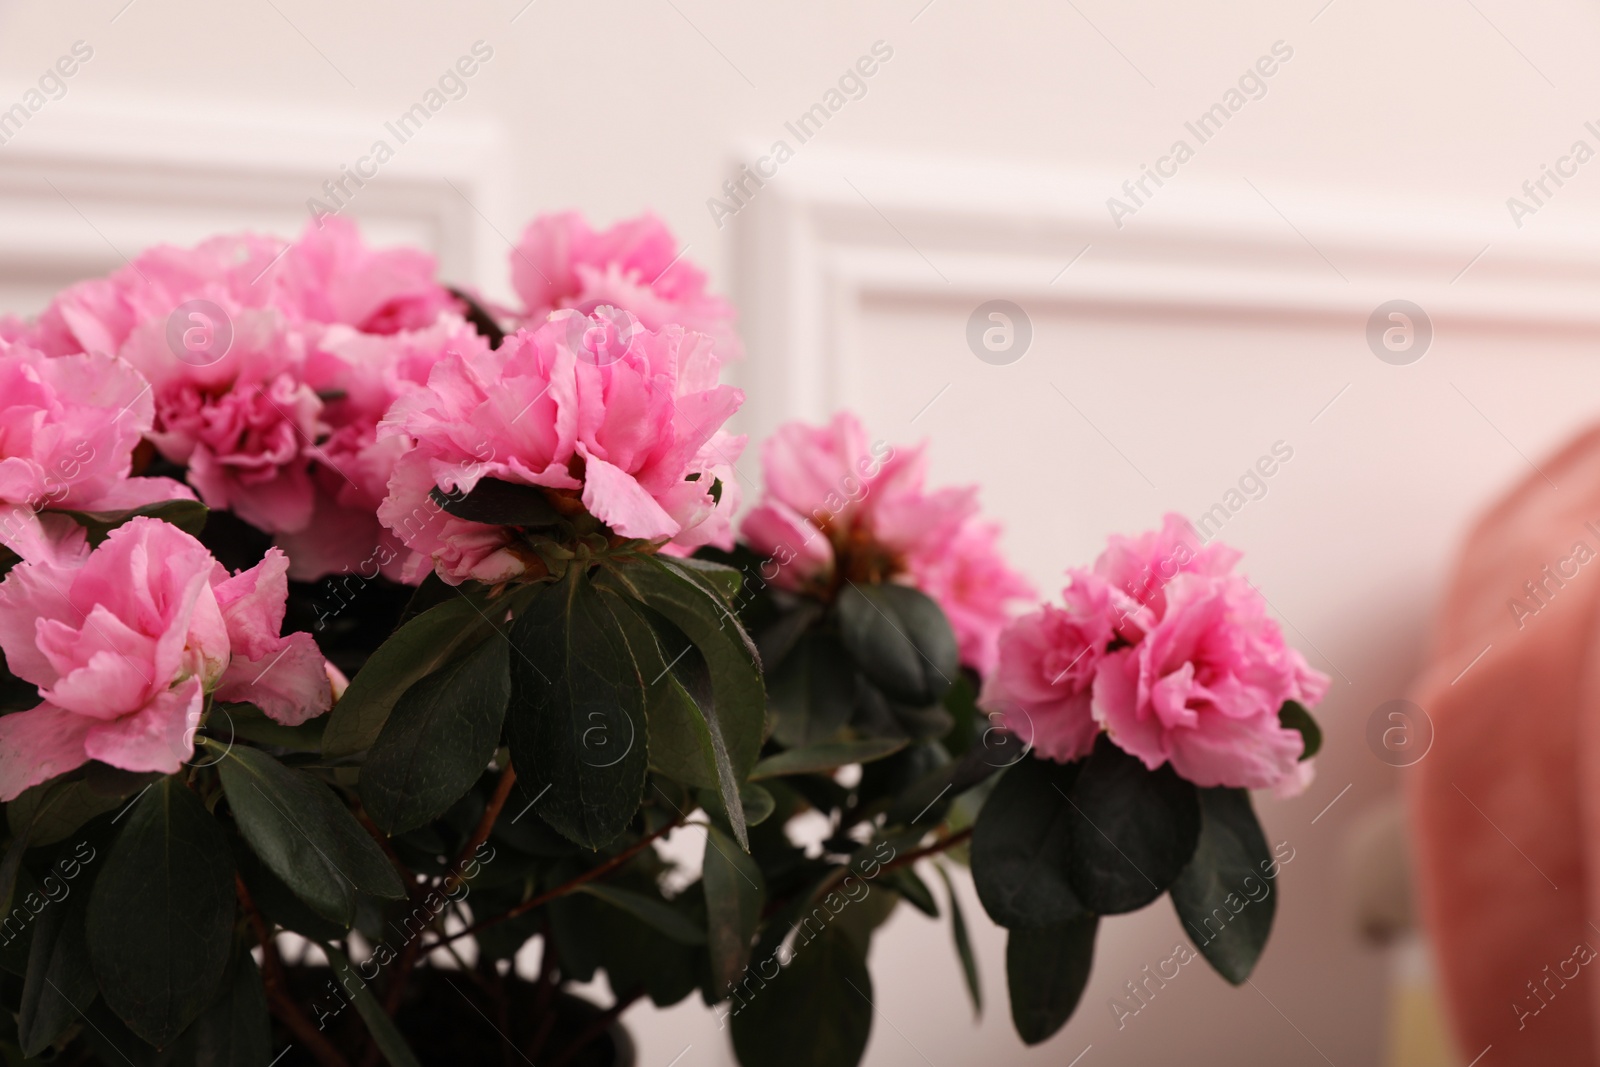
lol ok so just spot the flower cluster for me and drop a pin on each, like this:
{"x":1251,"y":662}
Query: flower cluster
{"x":128,"y":640}
{"x":1171,"y":654}
{"x":839,"y":508}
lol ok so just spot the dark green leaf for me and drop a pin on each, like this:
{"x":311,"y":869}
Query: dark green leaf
{"x":649,"y":910}
{"x":60,"y":980}
{"x":576,"y":720}
{"x":900,"y":640}
{"x":1294,"y":716}
{"x":812,"y":691}
{"x":728,"y":692}
{"x":379,"y":1025}
{"x":909,"y":884}
{"x":276,"y":901}
{"x":1224,"y":896}
{"x":497,"y":503}
{"x":680,"y":738}
{"x":304,"y":833}
{"x":1133,"y":830}
{"x":436,"y":744}
{"x":735,"y":894}
{"x":826,"y":757}
{"x":958,"y":932}
{"x":188,"y":515}
{"x":817,"y":1011}
{"x":160,"y":919}
{"x":1022,"y":844}
{"x":54,"y":810}
{"x":779,"y":636}
{"x":756,"y":802}
{"x":1046,"y":970}
{"x":246,"y":722}
{"x":724,"y":579}
{"x":236,"y":1030}
{"x":417,"y":649}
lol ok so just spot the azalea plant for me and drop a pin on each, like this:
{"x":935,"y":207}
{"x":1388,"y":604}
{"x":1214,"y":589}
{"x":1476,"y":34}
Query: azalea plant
{"x":365,"y":641}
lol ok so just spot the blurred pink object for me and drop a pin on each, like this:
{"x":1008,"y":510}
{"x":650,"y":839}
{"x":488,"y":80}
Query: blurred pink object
{"x":1505,"y":805}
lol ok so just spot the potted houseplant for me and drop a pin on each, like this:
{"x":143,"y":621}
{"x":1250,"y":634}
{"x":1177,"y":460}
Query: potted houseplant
{"x":363,"y":640}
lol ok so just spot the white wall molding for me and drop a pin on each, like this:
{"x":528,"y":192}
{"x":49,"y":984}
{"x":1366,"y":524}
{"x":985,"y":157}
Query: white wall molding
{"x":836,"y":229}
{"x":81,"y":187}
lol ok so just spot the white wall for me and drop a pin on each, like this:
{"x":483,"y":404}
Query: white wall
{"x":1220,"y":318}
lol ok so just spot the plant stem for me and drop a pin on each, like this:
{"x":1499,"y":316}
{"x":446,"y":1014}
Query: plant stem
{"x":502,"y":793}
{"x":282,"y":1004}
{"x":561,"y":890}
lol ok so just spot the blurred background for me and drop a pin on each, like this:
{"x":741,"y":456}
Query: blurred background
{"x":1160,"y":334}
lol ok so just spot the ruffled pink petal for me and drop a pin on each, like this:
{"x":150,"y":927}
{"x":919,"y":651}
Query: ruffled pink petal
{"x":290,"y":684}
{"x":613,"y":497}
{"x":252,"y":605}
{"x":37,"y":745}
{"x":158,"y":737}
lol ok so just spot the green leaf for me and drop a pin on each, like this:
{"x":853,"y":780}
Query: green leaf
{"x":53,"y":811}
{"x":1022,"y":844}
{"x":831,"y":756}
{"x":236,"y":1030}
{"x":1224,"y":896}
{"x":738,"y":715}
{"x":681,"y":747}
{"x":1046,"y":970}
{"x":1294,"y":716}
{"x":305,"y":835}
{"x":900,"y":640}
{"x":249,"y":723}
{"x":728,"y":691}
{"x":187,"y":515}
{"x":379,"y":1025}
{"x":958,"y":932}
{"x":160,"y":921}
{"x":649,"y":910}
{"x":736,"y":891}
{"x":436,"y":744}
{"x":415,"y":650}
{"x":724,"y":579}
{"x":1133,"y":830}
{"x":60,"y":980}
{"x":817,"y":1011}
{"x":812,"y":691}
{"x":576,"y":722}
{"x":909,"y":884}
{"x":756,"y":802}
{"x":276,"y":901}
{"x":497,"y":503}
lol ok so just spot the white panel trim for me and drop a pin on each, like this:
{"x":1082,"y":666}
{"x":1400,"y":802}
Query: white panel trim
{"x":83,"y":186}
{"x":813,"y":244}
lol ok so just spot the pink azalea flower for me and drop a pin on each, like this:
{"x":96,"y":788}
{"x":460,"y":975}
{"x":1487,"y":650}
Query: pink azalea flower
{"x":596,"y":408}
{"x":1046,"y":663}
{"x":1171,"y":654}
{"x":1203,"y":688}
{"x":838,"y":506}
{"x":635,"y":265}
{"x":68,"y":428}
{"x":331,"y":276}
{"x":361,"y":375}
{"x":126,"y":641}
{"x":241,"y":423}
{"x":327,"y":276}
